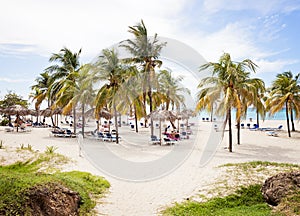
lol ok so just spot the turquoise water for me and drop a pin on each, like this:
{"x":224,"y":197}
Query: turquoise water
{"x":251,"y":113}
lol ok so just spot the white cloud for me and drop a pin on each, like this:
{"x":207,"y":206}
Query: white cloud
{"x":8,"y":80}
{"x":261,"y":6}
{"x":46,"y":26}
{"x":90,"y":24}
{"x":277,"y":66}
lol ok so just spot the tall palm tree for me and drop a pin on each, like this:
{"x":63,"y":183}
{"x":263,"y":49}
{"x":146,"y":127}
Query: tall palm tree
{"x":224,"y":85}
{"x":285,"y":93}
{"x":65,"y":68}
{"x":171,"y":92}
{"x":41,"y":91}
{"x":110,"y":69}
{"x":171,"y":88}
{"x":145,"y":51}
{"x":247,"y":92}
{"x":132,"y":96}
{"x":77,"y":89}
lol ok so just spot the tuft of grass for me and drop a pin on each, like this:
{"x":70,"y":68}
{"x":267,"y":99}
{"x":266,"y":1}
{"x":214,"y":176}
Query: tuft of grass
{"x":51,"y":149}
{"x":17,"y":179}
{"x":255,"y":164}
{"x":246,"y":201}
{"x":28,"y":147}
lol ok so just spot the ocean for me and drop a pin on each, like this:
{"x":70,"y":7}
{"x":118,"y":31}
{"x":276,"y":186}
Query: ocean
{"x":251,"y":113}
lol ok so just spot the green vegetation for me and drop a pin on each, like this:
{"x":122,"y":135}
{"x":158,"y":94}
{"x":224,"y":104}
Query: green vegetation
{"x":17,"y":179}
{"x":50,"y":149}
{"x":246,"y":201}
{"x":255,"y":164}
{"x":28,"y":147}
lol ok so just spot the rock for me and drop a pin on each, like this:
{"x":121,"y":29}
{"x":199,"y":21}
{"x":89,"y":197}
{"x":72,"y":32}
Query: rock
{"x":279,"y":186}
{"x":52,"y":199}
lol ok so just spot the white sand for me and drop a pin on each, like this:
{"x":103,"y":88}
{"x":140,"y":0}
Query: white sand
{"x":148,"y":198}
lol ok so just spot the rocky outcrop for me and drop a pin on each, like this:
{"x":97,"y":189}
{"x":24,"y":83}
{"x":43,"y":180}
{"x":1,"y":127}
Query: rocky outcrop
{"x":279,"y":186}
{"x":52,"y":200}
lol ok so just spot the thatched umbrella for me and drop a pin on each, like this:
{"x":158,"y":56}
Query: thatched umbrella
{"x":49,"y":112}
{"x":186,"y":114}
{"x":17,"y":110}
{"x":162,"y":115}
{"x":104,"y":113}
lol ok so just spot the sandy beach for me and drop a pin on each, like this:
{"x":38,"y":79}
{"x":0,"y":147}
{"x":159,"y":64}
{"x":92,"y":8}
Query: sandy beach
{"x":149,"y":197}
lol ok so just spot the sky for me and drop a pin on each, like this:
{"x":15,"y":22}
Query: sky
{"x":267,"y":32}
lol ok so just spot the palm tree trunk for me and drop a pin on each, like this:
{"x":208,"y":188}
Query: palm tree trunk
{"x":120,"y":120}
{"x":230,"y":130}
{"x":52,"y":120}
{"x":287,"y":119}
{"x":74,"y":120}
{"x":116,"y":123}
{"x":257,"y":118}
{"x":83,"y":119}
{"x":151,"y":109}
{"x":135,"y":119}
{"x":292,"y":120}
{"x":239,"y":131}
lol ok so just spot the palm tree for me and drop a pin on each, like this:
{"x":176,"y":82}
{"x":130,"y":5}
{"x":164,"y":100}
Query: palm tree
{"x":285,"y":93}
{"x":64,"y":70}
{"x":77,"y":89}
{"x":171,"y":88}
{"x":145,"y":52}
{"x":132,"y":96}
{"x":170,"y":91}
{"x":109,"y":69}
{"x":41,"y":90}
{"x":247,"y":89}
{"x":258,"y":100}
{"x":224,"y":84}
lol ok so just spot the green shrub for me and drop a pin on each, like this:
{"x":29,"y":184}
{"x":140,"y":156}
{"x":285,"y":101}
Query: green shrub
{"x":18,"y":178}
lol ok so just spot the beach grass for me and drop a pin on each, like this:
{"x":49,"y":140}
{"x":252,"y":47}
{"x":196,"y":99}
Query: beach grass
{"x":247,"y":200}
{"x":18,"y":178}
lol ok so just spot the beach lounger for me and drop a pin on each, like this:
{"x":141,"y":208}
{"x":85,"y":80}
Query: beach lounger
{"x":154,"y":140}
{"x":107,"y":137}
{"x":169,"y":141}
{"x":9,"y":129}
{"x":272,"y":133}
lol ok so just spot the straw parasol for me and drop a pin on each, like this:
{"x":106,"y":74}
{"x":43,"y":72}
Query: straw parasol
{"x":17,"y":110}
{"x":162,"y":115}
{"x":186,"y":114}
{"x":104,"y":113}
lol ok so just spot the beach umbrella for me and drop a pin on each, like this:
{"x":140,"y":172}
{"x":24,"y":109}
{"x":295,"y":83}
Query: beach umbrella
{"x":104,"y":113}
{"x":186,"y":114}
{"x":17,"y":110}
{"x":162,"y":115}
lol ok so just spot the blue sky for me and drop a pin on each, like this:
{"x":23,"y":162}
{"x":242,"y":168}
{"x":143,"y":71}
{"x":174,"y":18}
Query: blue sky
{"x":264,"y":31}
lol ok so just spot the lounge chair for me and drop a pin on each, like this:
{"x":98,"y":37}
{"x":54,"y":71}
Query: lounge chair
{"x":272,"y":133}
{"x":107,"y":137}
{"x":100,"y":136}
{"x":272,"y":129}
{"x":9,"y":129}
{"x":255,"y":127}
{"x":184,"y":135}
{"x":169,"y":141}
{"x":154,"y":140}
